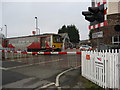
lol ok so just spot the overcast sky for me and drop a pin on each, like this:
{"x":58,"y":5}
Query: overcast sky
{"x":19,"y":17}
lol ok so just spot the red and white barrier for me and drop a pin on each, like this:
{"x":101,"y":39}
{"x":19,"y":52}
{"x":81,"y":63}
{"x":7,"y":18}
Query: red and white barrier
{"x":42,"y":52}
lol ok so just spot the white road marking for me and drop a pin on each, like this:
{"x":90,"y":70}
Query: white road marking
{"x":0,"y":87}
{"x":59,"y":88}
{"x":59,"y":75}
{"x":2,"y":68}
{"x":45,"y":86}
{"x":12,"y":60}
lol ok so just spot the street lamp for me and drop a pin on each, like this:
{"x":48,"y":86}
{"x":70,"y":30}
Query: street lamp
{"x":36,"y":26}
{"x":1,"y":29}
{"x":5,"y":30}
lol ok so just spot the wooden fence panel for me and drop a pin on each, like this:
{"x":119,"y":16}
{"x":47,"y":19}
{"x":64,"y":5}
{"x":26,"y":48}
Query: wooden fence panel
{"x":102,"y":68}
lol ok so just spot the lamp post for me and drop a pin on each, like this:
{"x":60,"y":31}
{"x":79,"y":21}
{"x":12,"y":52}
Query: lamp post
{"x":36,"y":26}
{"x":5,"y":30}
{"x":1,"y":29}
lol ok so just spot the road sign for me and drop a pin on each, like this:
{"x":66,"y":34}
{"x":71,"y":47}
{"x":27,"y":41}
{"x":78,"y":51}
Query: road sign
{"x":97,"y":34}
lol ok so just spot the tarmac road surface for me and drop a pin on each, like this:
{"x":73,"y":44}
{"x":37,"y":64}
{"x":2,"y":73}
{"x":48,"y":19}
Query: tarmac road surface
{"x":38,"y":71}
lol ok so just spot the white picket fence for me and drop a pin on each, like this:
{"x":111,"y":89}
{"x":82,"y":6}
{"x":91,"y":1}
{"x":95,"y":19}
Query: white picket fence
{"x":102,"y":68}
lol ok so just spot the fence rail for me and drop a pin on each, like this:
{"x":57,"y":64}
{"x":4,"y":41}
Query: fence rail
{"x":102,"y":68}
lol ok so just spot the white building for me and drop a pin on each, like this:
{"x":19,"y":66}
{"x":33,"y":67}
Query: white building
{"x":1,"y":37}
{"x":66,"y":40}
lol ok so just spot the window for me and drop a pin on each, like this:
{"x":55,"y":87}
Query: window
{"x":57,"y":39}
{"x":93,"y":2}
{"x":116,"y":40}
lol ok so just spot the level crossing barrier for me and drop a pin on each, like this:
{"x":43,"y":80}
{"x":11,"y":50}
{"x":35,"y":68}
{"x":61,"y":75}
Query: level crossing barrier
{"x":102,"y":68}
{"x":40,"y":52}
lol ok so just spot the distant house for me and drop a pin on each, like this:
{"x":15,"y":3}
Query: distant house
{"x":66,"y":40}
{"x":84,"y":42}
{"x":1,"y":37}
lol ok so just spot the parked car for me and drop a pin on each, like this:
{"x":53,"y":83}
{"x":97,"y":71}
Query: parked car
{"x":85,"y":47}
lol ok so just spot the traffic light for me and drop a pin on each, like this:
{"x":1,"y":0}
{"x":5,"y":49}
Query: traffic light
{"x":88,"y":16}
{"x":94,"y":14}
{"x":117,"y":28}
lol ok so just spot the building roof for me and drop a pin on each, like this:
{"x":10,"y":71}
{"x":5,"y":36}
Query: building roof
{"x":32,"y":35}
{"x":64,"y":35}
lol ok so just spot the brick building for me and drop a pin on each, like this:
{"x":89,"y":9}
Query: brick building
{"x":109,"y":37}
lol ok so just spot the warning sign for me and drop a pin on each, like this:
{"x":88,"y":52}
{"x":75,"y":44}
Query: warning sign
{"x":99,"y":60}
{"x":87,"y":57}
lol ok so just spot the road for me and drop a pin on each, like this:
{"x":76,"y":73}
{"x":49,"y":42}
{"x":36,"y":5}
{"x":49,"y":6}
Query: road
{"x":39,"y":70}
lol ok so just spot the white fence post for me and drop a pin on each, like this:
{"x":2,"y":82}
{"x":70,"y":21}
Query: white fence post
{"x":118,"y":68}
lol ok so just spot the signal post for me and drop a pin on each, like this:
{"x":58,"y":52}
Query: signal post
{"x":104,"y":23}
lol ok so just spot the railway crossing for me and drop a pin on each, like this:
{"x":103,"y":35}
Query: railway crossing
{"x":38,"y":66}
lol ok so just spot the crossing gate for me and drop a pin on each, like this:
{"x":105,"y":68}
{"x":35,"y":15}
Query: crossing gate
{"x":102,"y":68}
